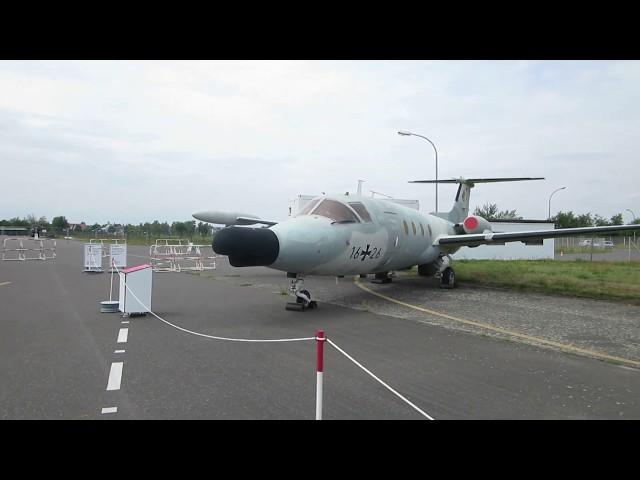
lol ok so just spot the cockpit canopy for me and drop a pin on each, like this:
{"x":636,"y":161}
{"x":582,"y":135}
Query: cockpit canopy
{"x":337,"y":211}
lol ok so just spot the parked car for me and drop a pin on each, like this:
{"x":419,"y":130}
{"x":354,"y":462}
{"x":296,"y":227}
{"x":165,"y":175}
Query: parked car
{"x":608,"y":244}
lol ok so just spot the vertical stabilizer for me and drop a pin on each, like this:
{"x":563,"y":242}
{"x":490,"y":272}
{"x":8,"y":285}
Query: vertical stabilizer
{"x":460,"y":209}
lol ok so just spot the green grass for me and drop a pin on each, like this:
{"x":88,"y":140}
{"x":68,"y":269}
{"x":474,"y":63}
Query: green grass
{"x":611,"y":281}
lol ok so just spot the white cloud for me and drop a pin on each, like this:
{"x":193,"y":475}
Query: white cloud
{"x":171,"y":137}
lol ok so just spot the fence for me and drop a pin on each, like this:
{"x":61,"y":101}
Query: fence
{"x":180,"y":256}
{"x":23,"y":249}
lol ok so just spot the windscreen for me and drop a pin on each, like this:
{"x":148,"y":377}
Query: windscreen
{"x":336,"y":211}
{"x":361,"y":210}
{"x":309,"y":206}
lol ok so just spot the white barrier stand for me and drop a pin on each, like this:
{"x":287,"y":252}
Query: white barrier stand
{"x":177,"y":257}
{"x":51,"y":249}
{"x":104,"y":242}
{"x":13,"y":252}
{"x":93,"y":257}
{"x":117,"y":255}
{"x":320,"y":339}
{"x":19,"y":252}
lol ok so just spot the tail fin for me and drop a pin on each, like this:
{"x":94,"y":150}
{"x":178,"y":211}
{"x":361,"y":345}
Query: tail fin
{"x":460,"y":209}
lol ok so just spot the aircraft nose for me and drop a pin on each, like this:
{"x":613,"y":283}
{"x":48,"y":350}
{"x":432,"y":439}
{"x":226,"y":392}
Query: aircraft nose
{"x":247,"y":247}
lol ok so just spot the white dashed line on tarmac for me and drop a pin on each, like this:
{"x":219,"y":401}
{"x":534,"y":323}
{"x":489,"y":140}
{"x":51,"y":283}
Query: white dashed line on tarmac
{"x":109,"y":409}
{"x":125,"y":322}
{"x":115,"y":376}
{"x":118,"y":351}
{"x":122,"y":335}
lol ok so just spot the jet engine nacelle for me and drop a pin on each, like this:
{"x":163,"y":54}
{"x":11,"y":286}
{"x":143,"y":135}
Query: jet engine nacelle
{"x":475,"y":224}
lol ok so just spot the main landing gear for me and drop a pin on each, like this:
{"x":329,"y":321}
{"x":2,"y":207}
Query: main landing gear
{"x":446,"y":274}
{"x":448,"y":278}
{"x":303,"y":297}
{"x":440,"y":269}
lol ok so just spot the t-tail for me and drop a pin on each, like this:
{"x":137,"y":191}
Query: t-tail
{"x":460,"y":209}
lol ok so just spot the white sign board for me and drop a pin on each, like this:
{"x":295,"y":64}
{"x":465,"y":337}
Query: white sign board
{"x":118,"y":255}
{"x":92,"y":257}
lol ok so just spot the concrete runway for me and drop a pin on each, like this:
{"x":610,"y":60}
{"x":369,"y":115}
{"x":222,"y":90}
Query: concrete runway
{"x":57,"y":351}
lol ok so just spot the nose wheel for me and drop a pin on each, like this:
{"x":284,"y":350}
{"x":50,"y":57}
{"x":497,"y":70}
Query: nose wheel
{"x":303,"y":297}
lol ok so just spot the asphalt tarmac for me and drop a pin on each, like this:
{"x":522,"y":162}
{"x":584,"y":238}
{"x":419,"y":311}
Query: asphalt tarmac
{"x":57,"y":353}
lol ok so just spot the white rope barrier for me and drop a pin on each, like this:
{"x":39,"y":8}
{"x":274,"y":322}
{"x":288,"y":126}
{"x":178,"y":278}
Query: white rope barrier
{"x":320,"y":368}
{"x":378,"y":380}
{"x":213,"y":336}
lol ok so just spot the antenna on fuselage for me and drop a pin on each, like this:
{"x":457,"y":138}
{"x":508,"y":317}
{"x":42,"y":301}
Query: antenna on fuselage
{"x":373,"y":193}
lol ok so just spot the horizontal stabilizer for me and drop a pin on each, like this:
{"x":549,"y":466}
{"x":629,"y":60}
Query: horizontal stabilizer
{"x":472,"y":181}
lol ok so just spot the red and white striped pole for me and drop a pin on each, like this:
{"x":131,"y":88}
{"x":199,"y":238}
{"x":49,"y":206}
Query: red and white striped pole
{"x":320,"y":348}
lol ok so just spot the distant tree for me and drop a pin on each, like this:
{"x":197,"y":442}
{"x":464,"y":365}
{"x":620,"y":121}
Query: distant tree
{"x":59,"y":223}
{"x":179,"y":228}
{"x":600,"y":221}
{"x":570,"y":220}
{"x":508,"y":215}
{"x":490,"y":212}
{"x":190,"y":227}
{"x":204,"y":229}
{"x":617,"y":220}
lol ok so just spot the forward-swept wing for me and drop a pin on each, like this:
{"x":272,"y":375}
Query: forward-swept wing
{"x":488,"y":237}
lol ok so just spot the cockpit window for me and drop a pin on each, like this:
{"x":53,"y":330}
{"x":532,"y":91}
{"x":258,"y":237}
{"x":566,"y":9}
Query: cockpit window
{"x":336,"y":211}
{"x":309,"y":206}
{"x":361,"y":210}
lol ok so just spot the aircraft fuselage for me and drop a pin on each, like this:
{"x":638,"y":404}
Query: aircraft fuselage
{"x":386,"y":237}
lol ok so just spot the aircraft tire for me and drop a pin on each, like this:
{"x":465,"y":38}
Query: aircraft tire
{"x":301,"y":300}
{"x":448,"y":278}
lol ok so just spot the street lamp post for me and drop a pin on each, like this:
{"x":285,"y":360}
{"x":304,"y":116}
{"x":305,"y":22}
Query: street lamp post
{"x":634,"y":220}
{"x":562,"y":188}
{"x":406,"y":134}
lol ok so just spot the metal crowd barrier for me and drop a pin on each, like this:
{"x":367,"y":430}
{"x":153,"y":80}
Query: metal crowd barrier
{"x":14,"y":249}
{"x":178,"y":257}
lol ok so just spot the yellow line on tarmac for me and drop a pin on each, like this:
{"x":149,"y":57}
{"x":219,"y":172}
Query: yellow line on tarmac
{"x":562,"y":346}
{"x":4,"y":283}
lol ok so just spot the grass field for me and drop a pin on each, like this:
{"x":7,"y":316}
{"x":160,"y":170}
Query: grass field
{"x":611,"y":281}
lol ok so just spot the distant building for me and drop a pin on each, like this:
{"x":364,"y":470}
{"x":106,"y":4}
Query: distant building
{"x":15,"y":231}
{"x":112,"y":229}
{"x":512,"y":250}
{"x":74,"y":227}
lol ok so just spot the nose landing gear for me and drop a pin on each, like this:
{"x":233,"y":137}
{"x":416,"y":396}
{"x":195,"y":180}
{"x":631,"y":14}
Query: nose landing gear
{"x":303,"y":297}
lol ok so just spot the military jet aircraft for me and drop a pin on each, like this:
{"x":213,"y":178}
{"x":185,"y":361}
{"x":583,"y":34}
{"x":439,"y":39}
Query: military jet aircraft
{"x":340,"y":235}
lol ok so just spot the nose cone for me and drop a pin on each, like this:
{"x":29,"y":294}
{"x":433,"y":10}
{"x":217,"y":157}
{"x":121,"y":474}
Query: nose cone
{"x":247,"y":247}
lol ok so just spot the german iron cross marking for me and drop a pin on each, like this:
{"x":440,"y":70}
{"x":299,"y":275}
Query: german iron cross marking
{"x":364,"y":254}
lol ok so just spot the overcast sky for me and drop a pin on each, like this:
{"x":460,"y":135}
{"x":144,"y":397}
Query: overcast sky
{"x":131,"y":141}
